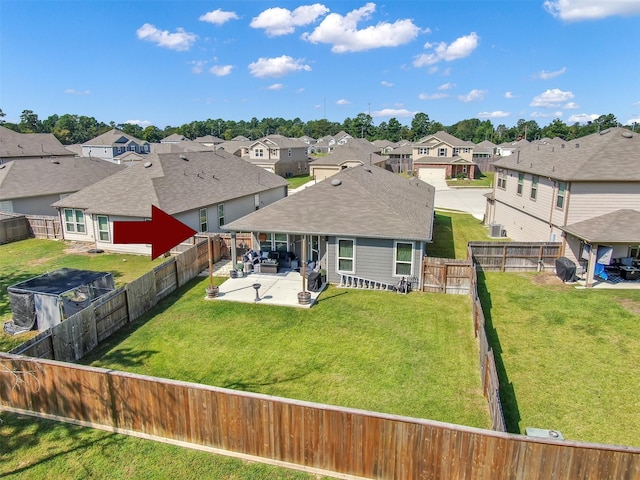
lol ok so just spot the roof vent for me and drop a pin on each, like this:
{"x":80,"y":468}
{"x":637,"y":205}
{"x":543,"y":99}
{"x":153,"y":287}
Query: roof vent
{"x":627,"y":134}
{"x":147,"y":164}
{"x":184,"y":158}
{"x":336,"y":181}
{"x":577,"y":145}
{"x":606,"y":130}
{"x":56,"y":161}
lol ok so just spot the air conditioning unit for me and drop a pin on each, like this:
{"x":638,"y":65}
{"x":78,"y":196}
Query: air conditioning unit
{"x":495,"y":230}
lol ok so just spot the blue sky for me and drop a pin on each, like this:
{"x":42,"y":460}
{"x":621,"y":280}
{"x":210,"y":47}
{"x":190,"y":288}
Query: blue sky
{"x":172,"y":62}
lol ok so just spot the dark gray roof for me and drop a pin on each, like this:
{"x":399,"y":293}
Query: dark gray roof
{"x":184,"y":146}
{"x":280,"y":141}
{"x":15,"y":144}
{"x":208,"y":139}
{"x":405,"y":149}
{"x":113,"y":137}
{"x":611,"y":155}
{"x":447,"y":138}
{"x":349,"y":152}
{"x":368,"y":202}
{"x":174,"y":184}
{"x":621,"y":226}
{"x":34,"y":177}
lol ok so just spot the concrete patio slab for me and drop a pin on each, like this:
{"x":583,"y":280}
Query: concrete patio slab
{"x":275,"y":289}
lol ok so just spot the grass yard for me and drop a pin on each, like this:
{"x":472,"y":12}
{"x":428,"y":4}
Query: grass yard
{"x":412,"y":355}
{"x":22,"y":260}
{"x":295,"y":182}
{"x":453,"y":231}
{"x":568,"y":359}
{"x":484,"y":180}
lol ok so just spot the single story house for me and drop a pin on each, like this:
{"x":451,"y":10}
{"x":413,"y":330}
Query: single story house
{"x":204,"y":190}
{"x":31,"y":186}
{"x":365,"y":224}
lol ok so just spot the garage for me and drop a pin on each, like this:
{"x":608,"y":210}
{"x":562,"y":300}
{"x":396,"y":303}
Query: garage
{"x":435,"y":176}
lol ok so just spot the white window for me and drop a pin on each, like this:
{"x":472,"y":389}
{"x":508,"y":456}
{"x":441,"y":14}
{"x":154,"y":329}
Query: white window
{"x":256,"y":201}
{"x":103,"y":228}
{"x":273,"y":152}
{"x":203,"y":219}
{"x":442,"y":152}
{"x":289,"y":153}
{"x":562,"y":191}
{"x":467,"y":150}
{"x":502,"y":180}
{"x":346,"y":255}
{"x":520,"y":183}
{"x":403,"y":259}
{"x":456,"y":151}
{"x":534,"y":186}
{"x":258,"y":152}
{"x":74,"y":220}
{"x":314,"y":248}
{"x":266,"y":241}
{"x":280,"y":242}
{"x":423,"y":151}
{"x":6,"y":206}
{"x":220,"y":214}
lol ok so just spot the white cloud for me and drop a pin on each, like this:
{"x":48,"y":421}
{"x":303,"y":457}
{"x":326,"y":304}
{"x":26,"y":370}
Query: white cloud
{"x":142,"y":123}
{"x":180,"y":41}
{"x":218,"y":17}
{"x":509,"y":95}
{"x":221,"y":70}
{"x":277,"y":66}
{"x":342,"y":31}
{"x":446,"y":86}
{"x":300,"y":90}
{"x":474,"y":94}
{"x":636,"y":104}
{"x":583,"y":118}
{"x":552,"y":98}
{"x":459,"y":48}
{"x":571,"y":106}
{"x":198,"y":66}
{"x":280,"y":21}
{"x":546,"y":114}
{"x":432,"y":96}
{"x":575,"y":10}
{"x":73,"y":91}
{"x":496,"y":114}
{"x":544,"y":75}
{"x":276,"y":86}
{"x":393,"y":112}
{"x":631,"y":121}
{"x":384,"y":83}
{"x":342,"y":101}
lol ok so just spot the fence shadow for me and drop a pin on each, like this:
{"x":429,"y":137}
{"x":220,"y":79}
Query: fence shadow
{"x":508,"y":398}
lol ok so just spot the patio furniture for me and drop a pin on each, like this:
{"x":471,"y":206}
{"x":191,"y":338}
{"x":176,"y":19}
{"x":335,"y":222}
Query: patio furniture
{"x":269,"y":266}
{"x":629,"y":273}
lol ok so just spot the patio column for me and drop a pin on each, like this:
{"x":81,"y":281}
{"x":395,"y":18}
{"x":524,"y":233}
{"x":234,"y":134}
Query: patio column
{"x":591,"y":267}
{"x":234,"y":252}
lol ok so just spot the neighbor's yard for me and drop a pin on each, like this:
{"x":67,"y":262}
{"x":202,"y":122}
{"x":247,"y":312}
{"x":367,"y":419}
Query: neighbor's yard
{"x":22,"y":260}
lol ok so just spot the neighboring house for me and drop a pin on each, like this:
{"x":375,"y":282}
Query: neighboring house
{"x":384,"y":147}
{"x":583,"y":191}
{"x":174,"y":138}
{"x":440,"y":156}
{"x":31,"y":186}
{"x":239,"y":148}
{"x":507,"y":148}
{"x":23,"y":146}
{"x":178,"y":147}
{"x":352,"y":154}
{"x":112,"y":145}
{"x":365,"y":223}
{"x":307,"y":139}
{"x":484,"y":149}
{"x":208,"y":140}
{"x":204,"y":190}
{"x":400,"y":159}
{"x":280,"y":155}
{"x":328,"y":142}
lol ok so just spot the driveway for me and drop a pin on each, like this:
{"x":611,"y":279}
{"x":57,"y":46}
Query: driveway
{"x":467,"y":200}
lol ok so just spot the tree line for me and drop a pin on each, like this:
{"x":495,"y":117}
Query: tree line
{"x":73,"y":129}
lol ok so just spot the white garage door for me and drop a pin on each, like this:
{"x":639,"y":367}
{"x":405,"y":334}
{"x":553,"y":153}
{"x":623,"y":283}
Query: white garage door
{"x":435,"y":176}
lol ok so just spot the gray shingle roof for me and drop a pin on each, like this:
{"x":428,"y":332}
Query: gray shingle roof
{"x":621,"y":226}
{"x":368,"y":202}
{"x":113,"y":137}
{"x":611,"y":155}
{"x":349,"y":152}
{"x":15,"y":144}
{"x":174,"y":185}
{"x":447,"y":138}
{"x":280,"y":141}
{"x":35,"y":177}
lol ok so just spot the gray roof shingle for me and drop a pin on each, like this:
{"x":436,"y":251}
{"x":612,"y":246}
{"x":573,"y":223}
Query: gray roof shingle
{"x":611,"y":155}
{"x":349,"y":152}
{"x":35,"y":177}
{"x":369,"y":202}
{"x":113,"y":137}
{"x":174,"y":184}
{"x":621,"y":226}
{"x":15,"y":144}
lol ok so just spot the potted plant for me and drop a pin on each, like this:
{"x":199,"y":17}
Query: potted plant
{"x":239,"y":269}
{"x":323,"y":275}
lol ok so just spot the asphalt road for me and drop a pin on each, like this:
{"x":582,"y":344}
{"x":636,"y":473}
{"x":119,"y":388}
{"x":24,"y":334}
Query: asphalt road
{"x":468,"y":200}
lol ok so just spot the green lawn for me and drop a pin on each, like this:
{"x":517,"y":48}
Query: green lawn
{"x":483,"y":180}
{"x":22,"y":260}
{"x":569,"y":359}
{"x":412,"y":355}
{"x":295,"y":182}
{"x":452,"y":232}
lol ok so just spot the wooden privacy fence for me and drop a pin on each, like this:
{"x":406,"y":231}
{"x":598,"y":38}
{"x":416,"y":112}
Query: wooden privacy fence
{"x":318,"y":438}
{"x":77,"y":335}
{"x":13,"y":228}
{"x":446,"y":275}
{"x":488,"y":370}
{"x":43,"y":226}
{"x":515,"y":256}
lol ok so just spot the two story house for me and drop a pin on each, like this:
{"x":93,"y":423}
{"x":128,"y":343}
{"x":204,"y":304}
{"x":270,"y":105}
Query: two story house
{"x":578,"y":193}
{"x":112,"y":145}
{"x":280,"y":155}
{"x":440,"y":156}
